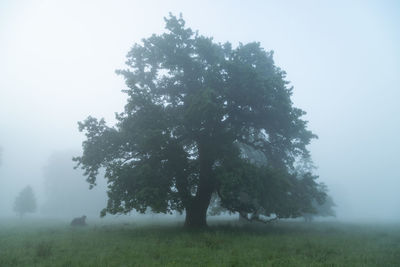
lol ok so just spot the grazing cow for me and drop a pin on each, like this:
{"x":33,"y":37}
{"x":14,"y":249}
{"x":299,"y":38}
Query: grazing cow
{"x":80,"y":221}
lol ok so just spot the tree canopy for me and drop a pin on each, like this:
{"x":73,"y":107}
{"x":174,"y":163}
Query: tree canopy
{"x":202,"y":118}
{"x":25,"y":202}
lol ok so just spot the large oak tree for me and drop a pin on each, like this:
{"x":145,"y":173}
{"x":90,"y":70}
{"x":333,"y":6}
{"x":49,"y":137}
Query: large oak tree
{"x":197,"y":113}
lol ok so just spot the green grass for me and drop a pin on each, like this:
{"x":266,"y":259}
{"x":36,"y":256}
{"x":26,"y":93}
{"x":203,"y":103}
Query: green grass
{"x":133,"y":244}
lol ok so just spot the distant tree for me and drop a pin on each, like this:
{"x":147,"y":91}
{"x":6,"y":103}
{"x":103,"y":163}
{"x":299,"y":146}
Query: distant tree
{"x":195,"y":111}
{"x":25,"y":202}
{"x":66,"y":192}
{"x":324,"y":209}
{"x":80,"y":221}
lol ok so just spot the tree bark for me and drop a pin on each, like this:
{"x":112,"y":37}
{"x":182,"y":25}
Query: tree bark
{"x":196,"y":215}
{"x":196,"y":211}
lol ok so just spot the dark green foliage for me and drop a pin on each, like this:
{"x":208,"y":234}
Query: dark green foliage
{"x":193,"y":105}
{"x":260,"y":190}
{"x":25,"y":201}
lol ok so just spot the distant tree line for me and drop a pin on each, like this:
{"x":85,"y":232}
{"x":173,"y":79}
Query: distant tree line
{"x":25,"y":202}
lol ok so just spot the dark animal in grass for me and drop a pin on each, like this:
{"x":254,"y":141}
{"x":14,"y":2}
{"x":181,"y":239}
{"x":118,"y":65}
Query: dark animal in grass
{"x":80,"y":221}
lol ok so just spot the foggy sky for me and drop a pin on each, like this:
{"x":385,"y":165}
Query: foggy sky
{"x":57,"y":63}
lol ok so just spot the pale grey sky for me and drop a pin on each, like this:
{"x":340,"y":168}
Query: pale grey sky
{"x":57,"y":63}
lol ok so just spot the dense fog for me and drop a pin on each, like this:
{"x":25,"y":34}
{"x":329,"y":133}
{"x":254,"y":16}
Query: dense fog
{"x":58,"y":62}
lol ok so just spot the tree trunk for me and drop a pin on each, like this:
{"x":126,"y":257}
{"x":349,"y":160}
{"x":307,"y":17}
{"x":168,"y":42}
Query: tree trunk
{"x":196,"y":215}
{"x":196,"y":211}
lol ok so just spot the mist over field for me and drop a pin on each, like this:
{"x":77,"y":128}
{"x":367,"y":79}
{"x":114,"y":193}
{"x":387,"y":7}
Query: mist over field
{"x":58,"y":62}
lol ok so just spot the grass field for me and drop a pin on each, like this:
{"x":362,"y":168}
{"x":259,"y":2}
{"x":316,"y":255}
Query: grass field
{"x":55,"y":243}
